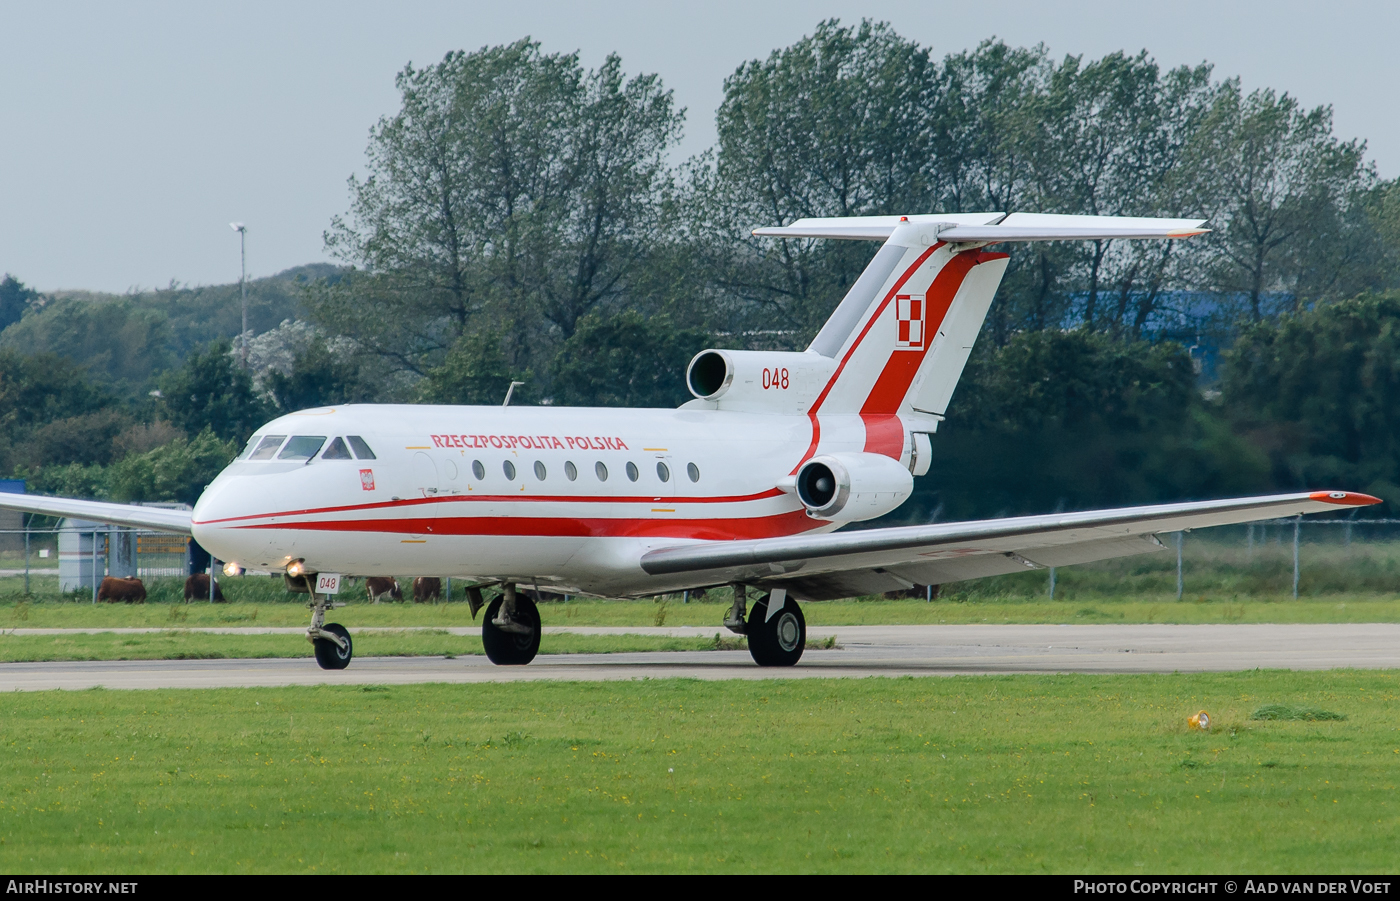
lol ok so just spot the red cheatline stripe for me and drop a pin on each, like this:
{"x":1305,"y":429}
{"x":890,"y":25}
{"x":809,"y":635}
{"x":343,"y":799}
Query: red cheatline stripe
{"x":498,"y":499}
{"x":790,"y":523}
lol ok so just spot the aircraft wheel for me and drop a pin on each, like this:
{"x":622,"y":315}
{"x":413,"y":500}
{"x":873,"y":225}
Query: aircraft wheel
{"x":778,"y":641}
{"x":511,"y":648}
{"x":330,"y":655}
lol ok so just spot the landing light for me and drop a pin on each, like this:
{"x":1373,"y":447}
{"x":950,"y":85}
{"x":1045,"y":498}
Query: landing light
{"x":232,"y":569}
{"x":296,"y":568}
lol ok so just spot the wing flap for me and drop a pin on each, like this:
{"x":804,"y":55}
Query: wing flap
{"x":157,"y":518}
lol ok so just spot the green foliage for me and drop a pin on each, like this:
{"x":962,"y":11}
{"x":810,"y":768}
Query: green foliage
{"x":177,"y":471}
{"x":119,"y":340}
{"x":1316,"y":390}
{"x":1295,"y":712}
{"x":86,"y":439}
{"x":39,"y":388}
{"x":211,"y":392}
{"x":474,"y":372}
{"x":66,"y":480}
{"x":626,"y":360}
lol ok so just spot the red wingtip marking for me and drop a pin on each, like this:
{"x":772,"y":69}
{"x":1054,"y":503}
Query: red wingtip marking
{"x":1345,"y":498}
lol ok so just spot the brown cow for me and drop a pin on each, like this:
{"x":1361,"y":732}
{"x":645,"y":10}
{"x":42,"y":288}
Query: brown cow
{"x":383,"y":587}
{"x":197,"y":588}
{"x":427,"y":588}
{"x":132,"y":591}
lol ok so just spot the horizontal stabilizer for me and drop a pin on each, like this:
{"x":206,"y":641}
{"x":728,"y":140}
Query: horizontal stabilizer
{"x":157,"y":518}
{"x":992,"y":228}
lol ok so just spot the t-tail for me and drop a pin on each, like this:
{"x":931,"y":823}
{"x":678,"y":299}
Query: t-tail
{"x":897,"y":343}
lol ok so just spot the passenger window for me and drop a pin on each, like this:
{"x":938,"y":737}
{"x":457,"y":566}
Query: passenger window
{"x":337,"y":451}
{"x":478,"y":470}
{"x":268,"y":449}
{"x":509,"y":469}
{"x":302,"y":447}
{"x":632,"y":472}
{"x":570,"y":470}
{"x":539,"y":470}
{"x":662,"y":472}
{"x":601,"y":470}
{"x":247,"y":448}
{"x":361,"y":449}
{"x":693,"y":471}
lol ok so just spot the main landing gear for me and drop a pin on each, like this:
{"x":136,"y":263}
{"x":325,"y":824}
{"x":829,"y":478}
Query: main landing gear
{"x":775,"y":627}
{"x":511,"y":629}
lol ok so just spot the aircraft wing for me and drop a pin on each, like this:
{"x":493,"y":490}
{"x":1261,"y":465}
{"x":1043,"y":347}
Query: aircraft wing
{"x":158,"y":518}
{"x":847,"y":564}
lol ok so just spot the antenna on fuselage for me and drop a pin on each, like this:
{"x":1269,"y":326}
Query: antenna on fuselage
{"x":509,"y":392}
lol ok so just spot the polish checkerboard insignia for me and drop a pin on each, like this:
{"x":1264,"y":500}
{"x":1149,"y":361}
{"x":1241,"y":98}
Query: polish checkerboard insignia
{"x":909,"y":317}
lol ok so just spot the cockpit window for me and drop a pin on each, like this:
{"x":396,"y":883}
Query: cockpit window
{"x":302,"y":447}
{"x":248,"y":448}
{"x":361,"y":449}
{"x":268,"y":449}
{"x":337,"y":451}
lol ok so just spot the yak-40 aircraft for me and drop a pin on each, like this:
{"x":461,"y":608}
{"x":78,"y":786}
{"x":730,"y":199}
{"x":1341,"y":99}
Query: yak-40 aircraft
{"x":744,"y":486}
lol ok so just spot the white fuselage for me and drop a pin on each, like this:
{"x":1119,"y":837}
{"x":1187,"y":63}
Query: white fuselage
{"x":486,"y":493}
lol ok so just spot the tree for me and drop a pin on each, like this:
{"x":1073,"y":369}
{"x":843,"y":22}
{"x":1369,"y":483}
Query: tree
{"x":1280,"y":190}
{"x":835,"y":125}
{"x":474,"y":372}
{"x":512,"y":190}
{"x":15,"y":299}
{"x":1316,"y":390}
{"x":211,"y":392}
{"x":626,"y":360}
{"x":178,"y":471}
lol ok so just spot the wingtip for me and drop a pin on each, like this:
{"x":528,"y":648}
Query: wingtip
{"x":1345,"y":498}
{"x":1188,"y":232}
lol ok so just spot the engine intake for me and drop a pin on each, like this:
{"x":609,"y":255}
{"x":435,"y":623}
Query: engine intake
{"x":850,"y":487}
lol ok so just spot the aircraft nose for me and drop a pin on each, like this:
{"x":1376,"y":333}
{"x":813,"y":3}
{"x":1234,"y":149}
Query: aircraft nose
{"x":215,"y":515}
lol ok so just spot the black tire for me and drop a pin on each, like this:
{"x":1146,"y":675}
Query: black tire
{"x":330,"y":655}
{"x":509,"y":648}
{"x":779,"y":641}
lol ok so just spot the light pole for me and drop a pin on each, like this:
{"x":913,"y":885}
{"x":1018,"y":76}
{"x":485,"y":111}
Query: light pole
{"x":242,"y":289}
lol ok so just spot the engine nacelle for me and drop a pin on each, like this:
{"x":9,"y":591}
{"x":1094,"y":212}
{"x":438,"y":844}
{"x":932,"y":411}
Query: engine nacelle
{"x":758,"y":380}
{"x":850,"y":487}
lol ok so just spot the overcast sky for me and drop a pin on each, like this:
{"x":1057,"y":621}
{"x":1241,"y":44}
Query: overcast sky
{"x":132,"y":134}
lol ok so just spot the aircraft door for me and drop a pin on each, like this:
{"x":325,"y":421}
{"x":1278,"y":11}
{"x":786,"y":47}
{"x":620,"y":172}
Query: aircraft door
{"x":425,"y":476}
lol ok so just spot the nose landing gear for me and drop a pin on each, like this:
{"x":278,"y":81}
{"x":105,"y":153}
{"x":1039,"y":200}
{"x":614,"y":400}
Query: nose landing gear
{"x":511,"y":630}
{"x":331,"y":640}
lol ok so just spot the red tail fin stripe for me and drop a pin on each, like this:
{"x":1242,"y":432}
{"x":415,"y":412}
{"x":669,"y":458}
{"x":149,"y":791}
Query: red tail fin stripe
{"x":884,"y":434}
{"x":893,"y":383}
{"x":821,"y":398}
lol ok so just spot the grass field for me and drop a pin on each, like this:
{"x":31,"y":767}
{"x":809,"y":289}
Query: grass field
{"x":1007,"y":774}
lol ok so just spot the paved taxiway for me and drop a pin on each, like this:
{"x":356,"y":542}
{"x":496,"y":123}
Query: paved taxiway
{"x":864,"y":651}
